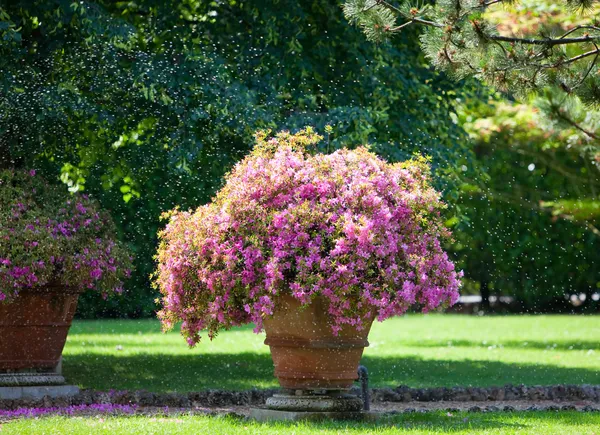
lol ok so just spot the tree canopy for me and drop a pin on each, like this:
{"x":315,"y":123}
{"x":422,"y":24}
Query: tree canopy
{"x":515,"y":46}
{"x":147,"y":104}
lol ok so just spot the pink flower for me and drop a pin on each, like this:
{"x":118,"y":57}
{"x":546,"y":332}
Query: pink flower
{"x":289,"y":222}
{"x":96,"y":274}
{"x":80,"y":208}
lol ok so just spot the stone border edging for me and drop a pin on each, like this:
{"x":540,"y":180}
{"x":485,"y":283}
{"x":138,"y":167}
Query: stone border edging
{"x":256,"y":397}
{"x":485,"y":394}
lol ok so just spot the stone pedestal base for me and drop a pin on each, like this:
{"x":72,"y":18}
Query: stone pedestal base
{"x":35,"y":384}
{"x":292,"y":405}
{"x":26,"y":379}
{"x":32,"y":377}
{"x":265,"y":415}
{"x":37,"y":392}
{"x":327,"y":401}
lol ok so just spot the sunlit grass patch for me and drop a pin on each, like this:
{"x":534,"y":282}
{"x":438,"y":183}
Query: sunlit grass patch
{"x":437,"y":423}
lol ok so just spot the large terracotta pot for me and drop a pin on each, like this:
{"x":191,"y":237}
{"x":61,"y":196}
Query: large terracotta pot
{"x":34,"y":327}
{"x":305,"y":352}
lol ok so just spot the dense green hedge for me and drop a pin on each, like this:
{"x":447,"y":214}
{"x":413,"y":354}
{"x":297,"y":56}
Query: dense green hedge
{"x":509,"y":241}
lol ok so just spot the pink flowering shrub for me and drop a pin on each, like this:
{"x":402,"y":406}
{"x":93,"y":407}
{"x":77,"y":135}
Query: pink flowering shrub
{"x":49,"y":237}
{"x":347,"y":226}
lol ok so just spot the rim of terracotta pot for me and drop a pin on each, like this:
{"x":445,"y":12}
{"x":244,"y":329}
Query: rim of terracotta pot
{"x":47,"y":288}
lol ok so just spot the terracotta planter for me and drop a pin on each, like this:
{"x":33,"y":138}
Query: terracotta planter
{"x":34,"y":327}
{"x":305,"y":352}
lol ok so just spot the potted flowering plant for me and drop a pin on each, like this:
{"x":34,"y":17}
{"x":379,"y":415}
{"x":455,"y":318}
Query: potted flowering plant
{"x":53,"y":246}
{"x":312,"y":248}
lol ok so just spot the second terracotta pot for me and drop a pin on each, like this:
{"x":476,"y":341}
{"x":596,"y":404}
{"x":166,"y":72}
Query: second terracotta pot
{"x":34,"y":327}
{"x":306,"y":354}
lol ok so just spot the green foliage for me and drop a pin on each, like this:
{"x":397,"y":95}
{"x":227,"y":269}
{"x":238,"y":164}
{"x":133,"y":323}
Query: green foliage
{"x":511,"y":240}
{"x":578,"y":209}
{"x":147,"y":104}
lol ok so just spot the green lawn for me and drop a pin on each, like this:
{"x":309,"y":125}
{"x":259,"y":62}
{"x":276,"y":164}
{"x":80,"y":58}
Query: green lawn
{"x":535,"y":423}
{"x":415,"y":350}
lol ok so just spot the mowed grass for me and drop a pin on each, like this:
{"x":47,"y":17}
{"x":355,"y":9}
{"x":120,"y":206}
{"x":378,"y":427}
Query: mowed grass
{"x":564,"y":423}
{"x":415,"y":350}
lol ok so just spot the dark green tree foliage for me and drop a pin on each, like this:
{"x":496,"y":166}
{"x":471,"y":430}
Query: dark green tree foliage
{"x":146,"y":104}
{"x":530,"y":234}
{"x":507,"y":241}
{"x":510,"y":250}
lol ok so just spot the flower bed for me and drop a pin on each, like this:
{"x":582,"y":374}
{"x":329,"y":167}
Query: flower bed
{"x":93,"y":409}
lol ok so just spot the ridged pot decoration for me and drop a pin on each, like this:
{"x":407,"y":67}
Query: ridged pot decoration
{"x":34,"y":328}
{"x":306,"y":354}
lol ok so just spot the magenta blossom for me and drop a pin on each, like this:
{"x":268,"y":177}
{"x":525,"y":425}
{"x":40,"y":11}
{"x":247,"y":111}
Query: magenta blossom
{"x":95,"y":408}
{"x":50,"y":237}
{"x":347,"y":226}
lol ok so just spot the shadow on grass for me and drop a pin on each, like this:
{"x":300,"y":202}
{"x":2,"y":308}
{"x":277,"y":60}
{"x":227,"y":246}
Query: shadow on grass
{"x":77,"y":340}
{"x":240,"y":371}
{"x":406,"y":424}
{"x":515,"y":344}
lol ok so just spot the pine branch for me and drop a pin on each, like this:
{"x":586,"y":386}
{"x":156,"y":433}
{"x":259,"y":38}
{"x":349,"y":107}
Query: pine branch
{"x":461,"y":41}
{"x":550,"y":42}
{"x":589,"y":70}
{"x":560,"y":114}
{"x":415,"y":19}
{"x":389,"y":6}
{"x":427,"y":22}
{"x":596,"y":51}
{"x":580,"y":27}
{"x":490,"y":3}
